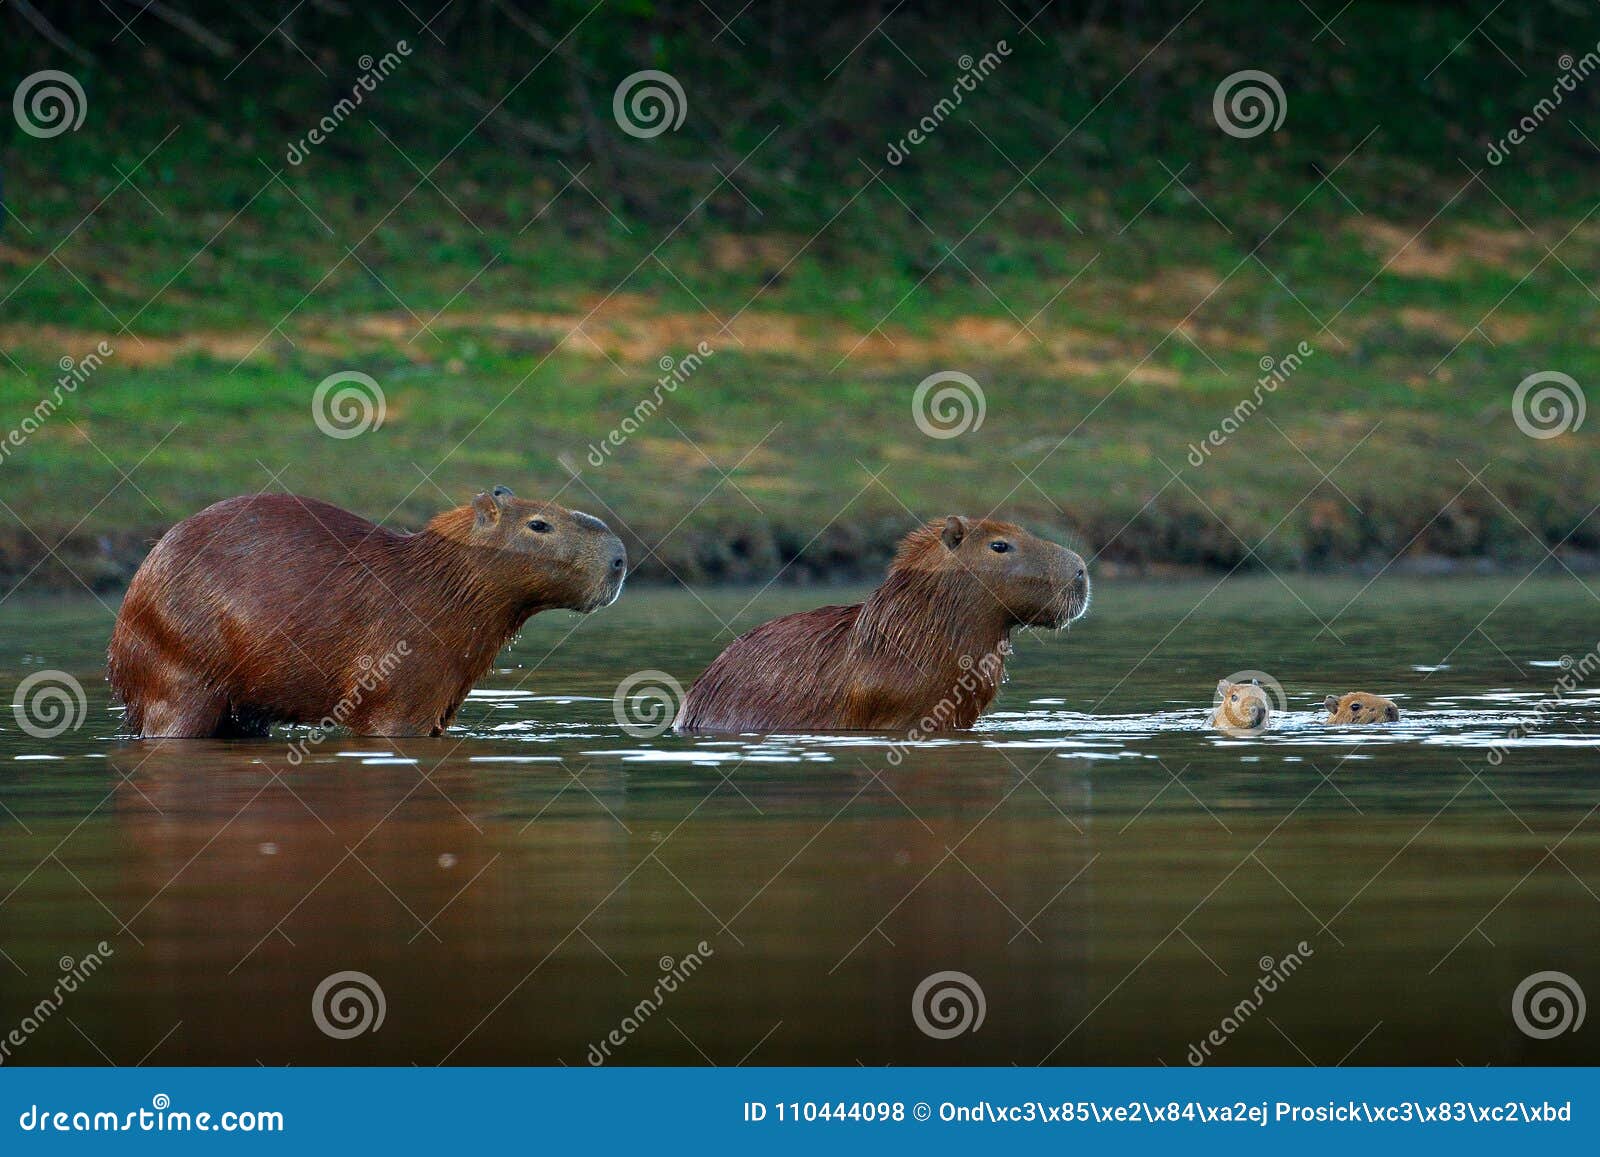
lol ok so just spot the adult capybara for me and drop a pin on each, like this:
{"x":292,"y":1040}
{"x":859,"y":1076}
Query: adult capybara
{"x":925,"y":653}
{"x":273,"y":608}
{"x":1360,"y":707}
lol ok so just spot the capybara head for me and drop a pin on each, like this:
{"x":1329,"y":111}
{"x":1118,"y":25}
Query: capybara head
{"x":559,"y":557}
{"x":1241,"y":706}
{"x":1360,"y":707}
{"x":1031,"y":582}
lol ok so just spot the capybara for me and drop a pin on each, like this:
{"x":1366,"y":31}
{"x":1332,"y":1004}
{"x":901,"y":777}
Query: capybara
{"x":925,"y":653}
{"x":1360,"y":707}
{"x":1241,"y":707}
{"x":276,"y":609}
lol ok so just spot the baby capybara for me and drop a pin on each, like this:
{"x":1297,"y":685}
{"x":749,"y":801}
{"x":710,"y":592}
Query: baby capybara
{"x":1241,"y":706}
{"x":925,"y":653}
{"x":276,"y":609}
{"x":1360,"y":707}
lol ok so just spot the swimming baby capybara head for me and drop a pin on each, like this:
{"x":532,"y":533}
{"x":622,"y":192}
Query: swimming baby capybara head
{"x":1360,"y":707}
{"x":565,"y":558}
{"x":924,"y":653}
{"x":1241,"y":706}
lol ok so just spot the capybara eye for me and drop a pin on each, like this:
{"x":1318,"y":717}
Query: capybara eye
{"x":539,"y":526}
{"x":1000,"y":546}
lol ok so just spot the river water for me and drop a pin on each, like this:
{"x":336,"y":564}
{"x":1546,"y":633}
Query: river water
{"x":1105,"y":878}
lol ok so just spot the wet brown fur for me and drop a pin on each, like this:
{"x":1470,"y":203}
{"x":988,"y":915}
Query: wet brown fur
{"x":1360,"y":707}
{"x":1241,"y":706}
{"x":925,"y":652}
{"x":273,"y":608}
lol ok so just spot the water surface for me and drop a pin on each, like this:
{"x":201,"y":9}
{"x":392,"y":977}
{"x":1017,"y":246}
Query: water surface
{"x":1114,"y":877}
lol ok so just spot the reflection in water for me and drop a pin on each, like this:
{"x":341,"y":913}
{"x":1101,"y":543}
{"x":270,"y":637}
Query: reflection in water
{"x":1111,"y":875}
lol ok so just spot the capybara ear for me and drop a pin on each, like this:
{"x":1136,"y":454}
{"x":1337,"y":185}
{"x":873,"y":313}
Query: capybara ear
{"x":501,"y":493}
{"x":487,"y":508}
{"x":955,"y":529}
{"x":1331,"y":703}
{"x":1222,"y":686}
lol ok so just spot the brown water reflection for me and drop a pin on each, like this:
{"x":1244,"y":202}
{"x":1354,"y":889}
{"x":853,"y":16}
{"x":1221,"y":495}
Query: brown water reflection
{"x":1114,"y":880}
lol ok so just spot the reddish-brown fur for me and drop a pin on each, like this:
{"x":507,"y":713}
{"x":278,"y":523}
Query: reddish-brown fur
{"x":925,"y":653}
{"x":273,"y":608}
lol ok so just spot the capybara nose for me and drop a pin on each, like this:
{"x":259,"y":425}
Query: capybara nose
{"x":1392,"y":713}
{"x":1080,"y":579}
{"x":619,"y":562}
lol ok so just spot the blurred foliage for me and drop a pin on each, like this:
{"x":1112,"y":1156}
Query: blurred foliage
{"x":1079,"y":235}
{"x":801,"y":98}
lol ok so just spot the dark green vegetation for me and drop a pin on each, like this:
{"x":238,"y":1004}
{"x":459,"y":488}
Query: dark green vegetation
{"x":1078,"y":235}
